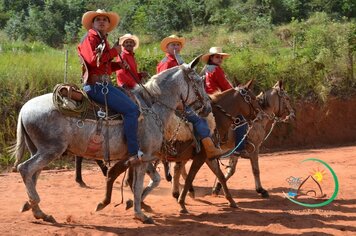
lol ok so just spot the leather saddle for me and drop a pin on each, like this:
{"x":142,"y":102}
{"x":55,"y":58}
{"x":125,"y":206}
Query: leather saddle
{"x":70,"y":100}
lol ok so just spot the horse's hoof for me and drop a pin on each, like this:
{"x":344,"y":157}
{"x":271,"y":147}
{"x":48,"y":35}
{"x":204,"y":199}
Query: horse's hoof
{"x":26,"y":206}
{"x":169,"y":177}
{"x":129,"y":204}
{"x":144,"y":219}
{"x":233,"y":205}
{"x":175,"y":195}
{"x":100,"y":206}
{"x":215,"y":193}
{"x":148,"y":220}
{"x":14,"y":169}
{"x":191,"y":194}
{"x":265,"y":194}
{"x":49,"y":218}
{"x":184,"y":211}
{"x":81,"y":184}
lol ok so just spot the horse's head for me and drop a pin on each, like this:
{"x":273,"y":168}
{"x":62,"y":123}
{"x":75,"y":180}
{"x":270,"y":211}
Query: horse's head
{"x":178,"y":86}
{"x":195,"y":96}
{"x":251,"y":107}
{"x":275,"y":101}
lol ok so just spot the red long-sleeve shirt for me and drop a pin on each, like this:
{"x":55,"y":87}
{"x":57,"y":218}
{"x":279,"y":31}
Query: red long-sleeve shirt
{"x":215,"y":79}
{"x":167,"y":62}
{"x":87,"y":49}
{"x":124,"y":77}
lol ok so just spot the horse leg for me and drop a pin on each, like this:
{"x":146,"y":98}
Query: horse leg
{"x":103,"y":167}
{"x":197,"y":163}
{"x":27,"y":205}
{"x":154,"y":182}
{"x":137,"y":186}
{"x":176,"y":176}
{"x":113,"y":173}
{"x":166,"y":170}
{"x":78,"y":171}
{"x":184,"y":174}
{"x":256,"y":175}
{"x":30,"y":171}
{"x":231,"y":168}
{"x":214,"y":166}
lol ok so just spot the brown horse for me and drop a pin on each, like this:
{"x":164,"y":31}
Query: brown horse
{"x":247,"y":105}
{"x":276,"y":108}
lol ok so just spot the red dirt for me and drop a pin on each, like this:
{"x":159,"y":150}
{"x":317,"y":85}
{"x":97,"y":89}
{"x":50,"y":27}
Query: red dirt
{"x":73,"y":207}
{"x":330,"y":124}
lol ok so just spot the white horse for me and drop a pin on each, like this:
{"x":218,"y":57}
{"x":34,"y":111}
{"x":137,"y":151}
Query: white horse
{"x":47,"y":133}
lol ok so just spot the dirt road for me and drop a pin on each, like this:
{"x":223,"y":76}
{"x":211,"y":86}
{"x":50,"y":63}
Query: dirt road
{"x":73,"y":207}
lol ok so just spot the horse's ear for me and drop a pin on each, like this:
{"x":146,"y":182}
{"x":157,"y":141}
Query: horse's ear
{"x":195,"y":61}
{"x":276,"y":86}
{"x":260,"y":95}
{"x":280,"y":84}
{"x":249,"y":84}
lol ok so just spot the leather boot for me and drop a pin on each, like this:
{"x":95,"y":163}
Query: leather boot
{"x":210,"y":150}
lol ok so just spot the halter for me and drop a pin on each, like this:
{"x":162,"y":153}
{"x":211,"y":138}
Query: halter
{"x":282,"y":98}
{"x":236,"y":121}
{"x":200,"y":97}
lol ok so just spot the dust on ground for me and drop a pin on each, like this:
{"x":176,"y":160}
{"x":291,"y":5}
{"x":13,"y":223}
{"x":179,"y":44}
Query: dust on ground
{"x":73,"y":206}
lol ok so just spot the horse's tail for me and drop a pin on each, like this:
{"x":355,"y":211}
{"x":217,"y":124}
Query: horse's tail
{"x":17,"y":150}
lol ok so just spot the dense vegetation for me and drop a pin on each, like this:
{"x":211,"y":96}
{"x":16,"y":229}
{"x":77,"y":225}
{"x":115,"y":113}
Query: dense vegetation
{"x":308,"y":44}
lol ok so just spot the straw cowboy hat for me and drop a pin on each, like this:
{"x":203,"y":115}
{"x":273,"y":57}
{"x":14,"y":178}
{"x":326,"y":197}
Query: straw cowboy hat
{"x":88,"y":18}
{"x":213,"y":51}
{"x":129,"y":36}
{"x":171,"y":39}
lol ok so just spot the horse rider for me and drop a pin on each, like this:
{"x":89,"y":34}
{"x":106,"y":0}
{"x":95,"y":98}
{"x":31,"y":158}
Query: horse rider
{"x":129,"y":76}
{"x":97,"y":56}
{"x":172,"y":45}
{"x":216,"y":81}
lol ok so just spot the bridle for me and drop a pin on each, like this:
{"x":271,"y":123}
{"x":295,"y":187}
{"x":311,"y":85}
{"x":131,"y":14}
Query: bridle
{"x":200,"y":98}
{"x":236,"y":120}
{"x":277,"y":117}
{"x":283,"y":99}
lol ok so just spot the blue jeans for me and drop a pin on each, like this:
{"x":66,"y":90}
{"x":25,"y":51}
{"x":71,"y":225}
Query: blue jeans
{"x":239,"y":134}
{"x":200,"y":125}
{"x":120,"y":103}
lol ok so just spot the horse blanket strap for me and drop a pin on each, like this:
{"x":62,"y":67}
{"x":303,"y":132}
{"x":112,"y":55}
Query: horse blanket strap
{"x":106,"y":137}
{"x":107,"y":146}
{"x":99,"y":126}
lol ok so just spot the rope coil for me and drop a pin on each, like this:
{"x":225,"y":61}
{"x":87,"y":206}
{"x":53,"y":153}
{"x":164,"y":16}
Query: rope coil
{"x":68,"y":106}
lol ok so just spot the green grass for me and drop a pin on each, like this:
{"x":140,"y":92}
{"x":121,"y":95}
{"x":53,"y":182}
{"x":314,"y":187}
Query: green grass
{"x":313,"y":61}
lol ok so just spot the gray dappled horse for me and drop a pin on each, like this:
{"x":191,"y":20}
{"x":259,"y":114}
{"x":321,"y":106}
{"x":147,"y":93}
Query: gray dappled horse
{"x":241,"y":101}
{"x":48,"y":134}
{"x":276,"y":108}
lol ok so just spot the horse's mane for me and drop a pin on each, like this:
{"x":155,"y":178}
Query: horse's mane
{"x":219,"y":94}
{"x":151,"y":86}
